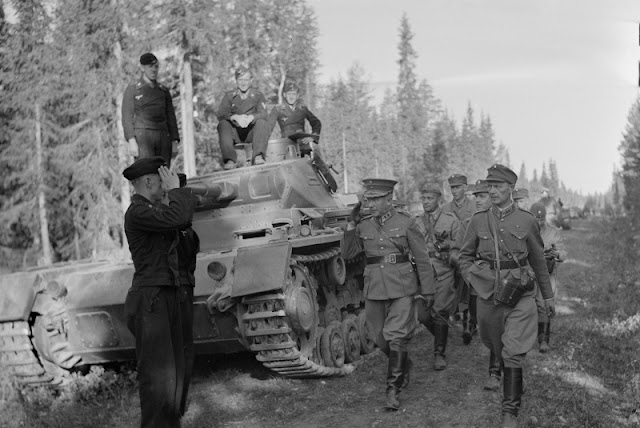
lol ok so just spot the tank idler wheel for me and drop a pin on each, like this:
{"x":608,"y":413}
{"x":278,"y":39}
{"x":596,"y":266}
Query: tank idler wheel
{"x":366,"y":341}
{"x":317,"y":353}
{"x":332,"y":346}
{"x":351,"y":336}
{"x":336,"y":270}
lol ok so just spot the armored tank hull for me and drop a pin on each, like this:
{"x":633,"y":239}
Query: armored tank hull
{"x":270,"y":278}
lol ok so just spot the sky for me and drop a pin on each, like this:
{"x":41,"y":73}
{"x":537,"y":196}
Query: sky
{"x":556,"y":77}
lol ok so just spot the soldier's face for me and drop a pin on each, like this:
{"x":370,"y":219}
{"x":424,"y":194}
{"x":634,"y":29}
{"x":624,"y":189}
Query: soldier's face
{"x":430,"y":201}
{"x":379,"y":206}
{"x":500,"y":193}
{"x":151,"y":71}
{"x":154,"y":187}
{"x":244,"y":82}
{"x":540,"y":220}
{"x":483,"y":201}
{"x":291,"y":97}
{"x":458,"y":191}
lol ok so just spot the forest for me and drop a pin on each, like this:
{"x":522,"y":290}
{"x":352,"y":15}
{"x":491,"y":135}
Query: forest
{"x":64,"y":65}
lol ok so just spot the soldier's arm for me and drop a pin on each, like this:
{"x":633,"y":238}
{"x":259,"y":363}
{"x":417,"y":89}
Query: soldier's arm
{"x":260,"y":111}
{"x":224,"y":110}
{"x":560,"y":247}
{"x":535,"y":249}
{"x":418,"y":248}
{"x":128,"y":111}
{"x":351,"y":244}
{"x":316,"y":125}
{"x":468,"y":247}
{"x":172,"y":123}
{"x":160,"y":217}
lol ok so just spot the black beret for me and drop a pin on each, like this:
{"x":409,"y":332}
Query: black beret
{"x":148,"y":59}
{"x":142,"y":167}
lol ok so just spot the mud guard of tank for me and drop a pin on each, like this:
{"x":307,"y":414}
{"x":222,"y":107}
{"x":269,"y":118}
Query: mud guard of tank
{"x":16,"y":299}
{"x":260,"y":269}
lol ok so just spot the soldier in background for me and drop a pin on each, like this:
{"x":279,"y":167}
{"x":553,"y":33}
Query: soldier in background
{"x":391,"y":285}
{"x":500,"y":245}
{"x":521,"y":198}
{"x":441,"y":230}
{"x":462,"y":206}
{"x":291,"y":116}
{"x":242,"y":117}
{"x":148,"y":117}
{"x":554,"y":253}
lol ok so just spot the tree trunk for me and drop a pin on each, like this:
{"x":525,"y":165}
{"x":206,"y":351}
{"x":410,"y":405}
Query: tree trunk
{"x":344,"y":164}
{"x":283,"y":77}
{"x":42,"y":207}
{"x":188,"y":134}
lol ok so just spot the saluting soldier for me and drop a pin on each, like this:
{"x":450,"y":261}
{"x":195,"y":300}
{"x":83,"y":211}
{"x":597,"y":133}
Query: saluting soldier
{"x":148,"y":117}
{"x":291,"y":116}
{"x":391,"y":284}
{"x":440,"y":231}
{"x":242,"y":117}
{"x":501,"y":246}
{"x":554,"y":252}
{"x":152,"y":307}
{"x":462,"y":206}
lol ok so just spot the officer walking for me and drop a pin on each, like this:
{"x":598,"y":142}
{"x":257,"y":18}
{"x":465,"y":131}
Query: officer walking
{"x":291,"y":116}
{"x":242,"y":117}
{"x":148,"y":117}
{"x":500,"y":247}
{"x":554,"y":253}
{"x":153,"y":305}
{"x":441,"y":231}
{"x":388,"y":238}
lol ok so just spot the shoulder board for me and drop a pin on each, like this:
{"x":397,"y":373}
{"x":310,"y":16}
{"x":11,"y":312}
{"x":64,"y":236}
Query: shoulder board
{"x":366,"y":217}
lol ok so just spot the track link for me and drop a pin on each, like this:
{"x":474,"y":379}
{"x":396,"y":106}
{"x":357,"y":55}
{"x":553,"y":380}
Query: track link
{"x":18,"y":355}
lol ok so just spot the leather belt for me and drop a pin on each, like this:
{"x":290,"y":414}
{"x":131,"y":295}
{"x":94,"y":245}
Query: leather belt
{"x":507,"y":264}
{"x":389,"y":258}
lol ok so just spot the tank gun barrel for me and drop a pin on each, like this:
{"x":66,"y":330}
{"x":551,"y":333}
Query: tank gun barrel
{"x":218,"y":191}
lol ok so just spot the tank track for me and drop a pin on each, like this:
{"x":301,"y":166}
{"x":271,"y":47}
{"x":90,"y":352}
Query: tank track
{"x":18,"y":354}
{"x":270,"y":335}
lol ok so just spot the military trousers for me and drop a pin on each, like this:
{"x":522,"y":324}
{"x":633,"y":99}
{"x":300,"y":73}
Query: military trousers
{"x":155,"y":318}
{"x":391,"y":322}
{"x":257,"y":134}
{"x":154,"y":142}
{"x":508,"y":332}
{"x":186,"y":311}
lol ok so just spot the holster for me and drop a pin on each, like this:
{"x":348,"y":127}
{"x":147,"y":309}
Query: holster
{"x":510,"y":289}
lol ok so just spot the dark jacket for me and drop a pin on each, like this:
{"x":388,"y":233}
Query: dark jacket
{"x":152,"y":231}
{"x":188,"y":249}
{"x":144,"y":107}
{"x":232,"y":103}
{"x":291,"y":119}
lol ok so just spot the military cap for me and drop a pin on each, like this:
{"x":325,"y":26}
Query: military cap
{"x":481,"y":186}
{"x":377,"y":187}
{"x":457,"y":180}
{"x":538,"y":210}
{"x":183,"y":179}
{"x":431,"y":188}
{"x":290,"y":87}
{"x":148,"y":59}
{"x":242,"y":70}
{"x":520,"y":193}
{"x":502,"y":174}
{"x":142,"y":167}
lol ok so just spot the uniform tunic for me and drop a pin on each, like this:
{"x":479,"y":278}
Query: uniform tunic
{"x":149,"y":117}
{"x":551,"y":236}
{"x":153,"y":304}
{"x":389,"y":288}
{"x":446,"y":226}
{"x":256,"y":133}
{"x":291,"y":119}
{"x":509,"y":332}
{"x":462,"y":210}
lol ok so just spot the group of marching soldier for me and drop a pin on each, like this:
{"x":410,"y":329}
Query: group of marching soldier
{"x":486,"y":257}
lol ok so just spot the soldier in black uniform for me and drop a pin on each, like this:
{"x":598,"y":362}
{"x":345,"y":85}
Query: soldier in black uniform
{"x":148,"y":117}
{"x":391,"y":284}
{"x":153,"y":304}
{"x":242,"y":118}
{"x":291,"y":116}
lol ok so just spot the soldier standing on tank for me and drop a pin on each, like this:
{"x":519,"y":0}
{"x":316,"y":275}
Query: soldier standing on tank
{"x":440,"y":230}
{"x":153,"y":303}
{"x":391,"y":284}
{"x":242,"y":117}
{"x":554,"y":253}
{"x":148,"y":117}
{"x":500,"y":246}
{"x":291,"y":116}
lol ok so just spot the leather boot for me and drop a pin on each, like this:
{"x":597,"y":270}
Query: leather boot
{"x":440,"y":345}
{"x":473,"y":317}
{"x":395,"y":376}
{"x":407,"y":373}
{"x":544,"y":331}
{"x":495,"y":373}
{"x":466,"y":331}
{"x":512,"y":395}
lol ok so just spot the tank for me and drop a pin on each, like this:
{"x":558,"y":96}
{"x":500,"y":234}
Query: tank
{"x":270,"y":278}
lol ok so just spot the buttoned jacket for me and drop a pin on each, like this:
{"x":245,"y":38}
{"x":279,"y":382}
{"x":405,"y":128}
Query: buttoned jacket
{"x":462,"y":211}
{"x":440,"y":223}
{"x":148,"y":107}
{"x":233,"y":103}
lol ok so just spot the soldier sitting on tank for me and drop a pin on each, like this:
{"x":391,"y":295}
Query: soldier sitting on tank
{"x":291,"y":116}
{"x":242,"y":118}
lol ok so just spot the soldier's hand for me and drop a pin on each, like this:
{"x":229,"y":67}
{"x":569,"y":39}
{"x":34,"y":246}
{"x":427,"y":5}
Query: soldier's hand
{"x":453,"y":259}
{"x":355,"y":215}
{"x":174,"y":148}
{"x":427,"y":300}
{"x":307,"y":140}
{"x":551,"y":307}
{"x":133,"y":147}
{"x":168,"y":178}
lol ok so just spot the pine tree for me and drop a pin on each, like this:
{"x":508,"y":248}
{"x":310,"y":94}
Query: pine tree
{"x":630,"y":150}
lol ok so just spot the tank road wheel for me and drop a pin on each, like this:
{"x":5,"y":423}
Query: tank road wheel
{"x":351,"y":337}
{"x":302,"y":310}
{"x":333,"y":345}
{"x":366,"y":341}
{"x":336,"y":270}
